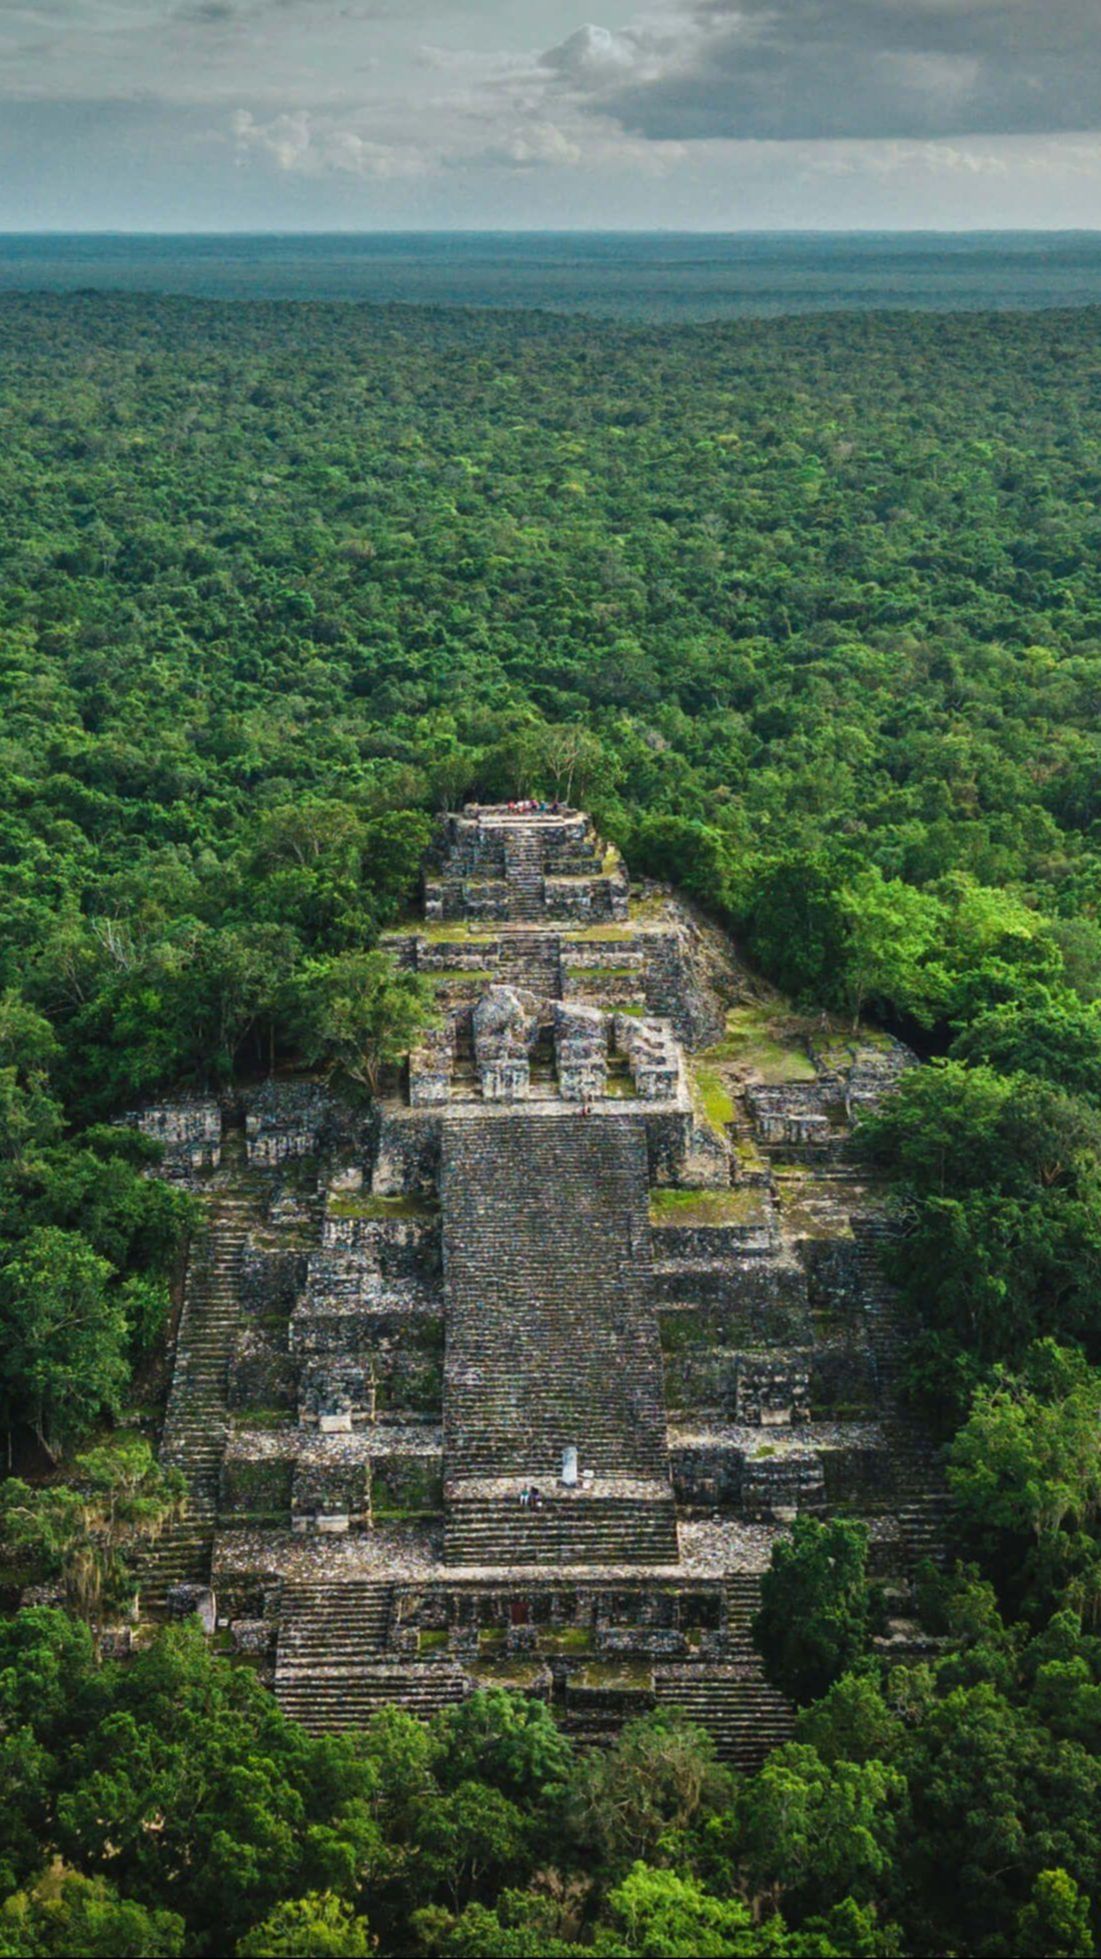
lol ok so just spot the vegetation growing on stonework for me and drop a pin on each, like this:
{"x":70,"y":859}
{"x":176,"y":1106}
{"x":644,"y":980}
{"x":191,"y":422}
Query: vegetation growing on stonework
{"x":809,"y":613}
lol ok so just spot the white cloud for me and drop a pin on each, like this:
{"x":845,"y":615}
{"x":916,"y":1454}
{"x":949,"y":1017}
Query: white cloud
{"x":301,"y":142}
{"x":537,"y":143}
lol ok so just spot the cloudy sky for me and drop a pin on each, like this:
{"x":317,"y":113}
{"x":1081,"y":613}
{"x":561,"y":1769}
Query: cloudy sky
{"x":708,"y":114}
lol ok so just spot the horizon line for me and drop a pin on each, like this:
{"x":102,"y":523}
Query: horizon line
{"x":557,"y":231}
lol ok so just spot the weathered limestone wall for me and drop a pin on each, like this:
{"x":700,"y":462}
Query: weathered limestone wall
{"x":189,"y":1131}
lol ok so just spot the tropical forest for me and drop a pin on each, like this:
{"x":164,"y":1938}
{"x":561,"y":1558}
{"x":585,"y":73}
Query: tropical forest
{"x":806,"y":614}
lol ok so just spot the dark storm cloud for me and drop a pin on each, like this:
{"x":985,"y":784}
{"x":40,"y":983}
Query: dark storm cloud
{"x":871,"y":68}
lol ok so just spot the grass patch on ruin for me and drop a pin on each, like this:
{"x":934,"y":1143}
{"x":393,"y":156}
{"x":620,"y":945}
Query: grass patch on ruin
{"x":599,"y":935}
{"x":571,"y":1639}
{"x":804,"y":1220}
{"x":740,"y":1206}
{"x":433,"y":932}
{"x":353,"y":1204}
{"x":630,"y":1676}
{"x":714,"y":1096}
{"x":650,"y":908}
{"x":514,"y":1674}
{"x":756,"y":1041}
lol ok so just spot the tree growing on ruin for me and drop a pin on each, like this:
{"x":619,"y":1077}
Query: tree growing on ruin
{"x":818,"y":1611}
{"x":357,"y":1014}
{"x":86,"y":1533}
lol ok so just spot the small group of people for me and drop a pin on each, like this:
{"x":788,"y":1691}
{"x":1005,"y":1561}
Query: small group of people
{"x":527,"y":806}
{"x":531,"y":1497}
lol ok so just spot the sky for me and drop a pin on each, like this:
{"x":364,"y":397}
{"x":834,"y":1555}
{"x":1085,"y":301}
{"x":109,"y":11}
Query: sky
{"x":296,"y":115}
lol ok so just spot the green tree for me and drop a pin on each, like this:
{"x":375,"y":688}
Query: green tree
{"x":994,"y":1800}
{"x":62,"y":1338}
{"x":67,"y":1916}
{"x":1058,"y":1038}
{"x":318,"y":1926}
{"x":642,"y":1794}
{"x":889,"y":932}
{"x":508,"y":1741}
{"x":30,"y":1116}
{"x":86,"y":1532}
{"x":470,"y":1838}
{"x":357,"y":1014}
{"x":813,"y":1833}
{"x":669,"y":1916}
{"x":818,"y":1611}
{"x":1024,"y":1469}
{"x":1055,"y":1923}
{"x":795,"y":924}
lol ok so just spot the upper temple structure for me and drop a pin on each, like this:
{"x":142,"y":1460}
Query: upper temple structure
{"x":516,"y":1376}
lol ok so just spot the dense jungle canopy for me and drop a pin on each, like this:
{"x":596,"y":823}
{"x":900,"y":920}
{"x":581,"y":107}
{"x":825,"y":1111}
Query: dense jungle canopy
{"x":809,"y":614}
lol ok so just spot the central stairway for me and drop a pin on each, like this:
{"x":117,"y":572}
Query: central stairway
{"x":524,"y":873}
{"x":531,"y":959}
{"x":552,"y":1342}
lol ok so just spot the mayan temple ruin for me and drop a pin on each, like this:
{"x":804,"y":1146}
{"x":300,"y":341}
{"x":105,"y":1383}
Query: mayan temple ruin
{"x":514,"y":1376}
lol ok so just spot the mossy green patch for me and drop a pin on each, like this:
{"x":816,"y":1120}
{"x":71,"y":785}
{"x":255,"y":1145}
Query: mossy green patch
{"x":741,"y":1206}
{"x":571,"y":1639}
{"x":262,"y":1417}
{"x":714,"y":1095}
{"x":516,"y":1675}
{"x":599,"y":935}
{"x":765,"y":1042}
{"x":353,"y":1204}
{"x":628,"y":1676}
{"x":455,"y":932}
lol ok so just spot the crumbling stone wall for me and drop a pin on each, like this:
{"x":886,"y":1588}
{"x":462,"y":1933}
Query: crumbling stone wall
{"x":189,"y":1131}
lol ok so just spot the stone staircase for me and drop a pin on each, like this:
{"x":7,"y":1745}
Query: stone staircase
{"x":328,"y":1634}
{"x":524,"y":873}
{"x":531,"y":959}
{"x":348,"y":1699}
{"x":732,"y":1700}
{"x":921,"y":1502}
{"x":883,"y":1311}
{"x":566,"y":1529}
{"x":744,"y":1716}
{"x":330,"y":1660}
{"x":332,"y":1623}
{"x":196,"y":1422}
{"x":742,"y":1599}
{"x":331,"y":1669}
{"x":552,"y":1338}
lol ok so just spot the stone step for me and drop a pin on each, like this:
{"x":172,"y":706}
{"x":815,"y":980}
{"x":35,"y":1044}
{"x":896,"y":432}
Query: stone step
{"x":499,"y":1531}
{"x":349,"y":1699}
{"x":196,"y":1422}
{"x":745,"y":1717}
{"x":332,"y":1624}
